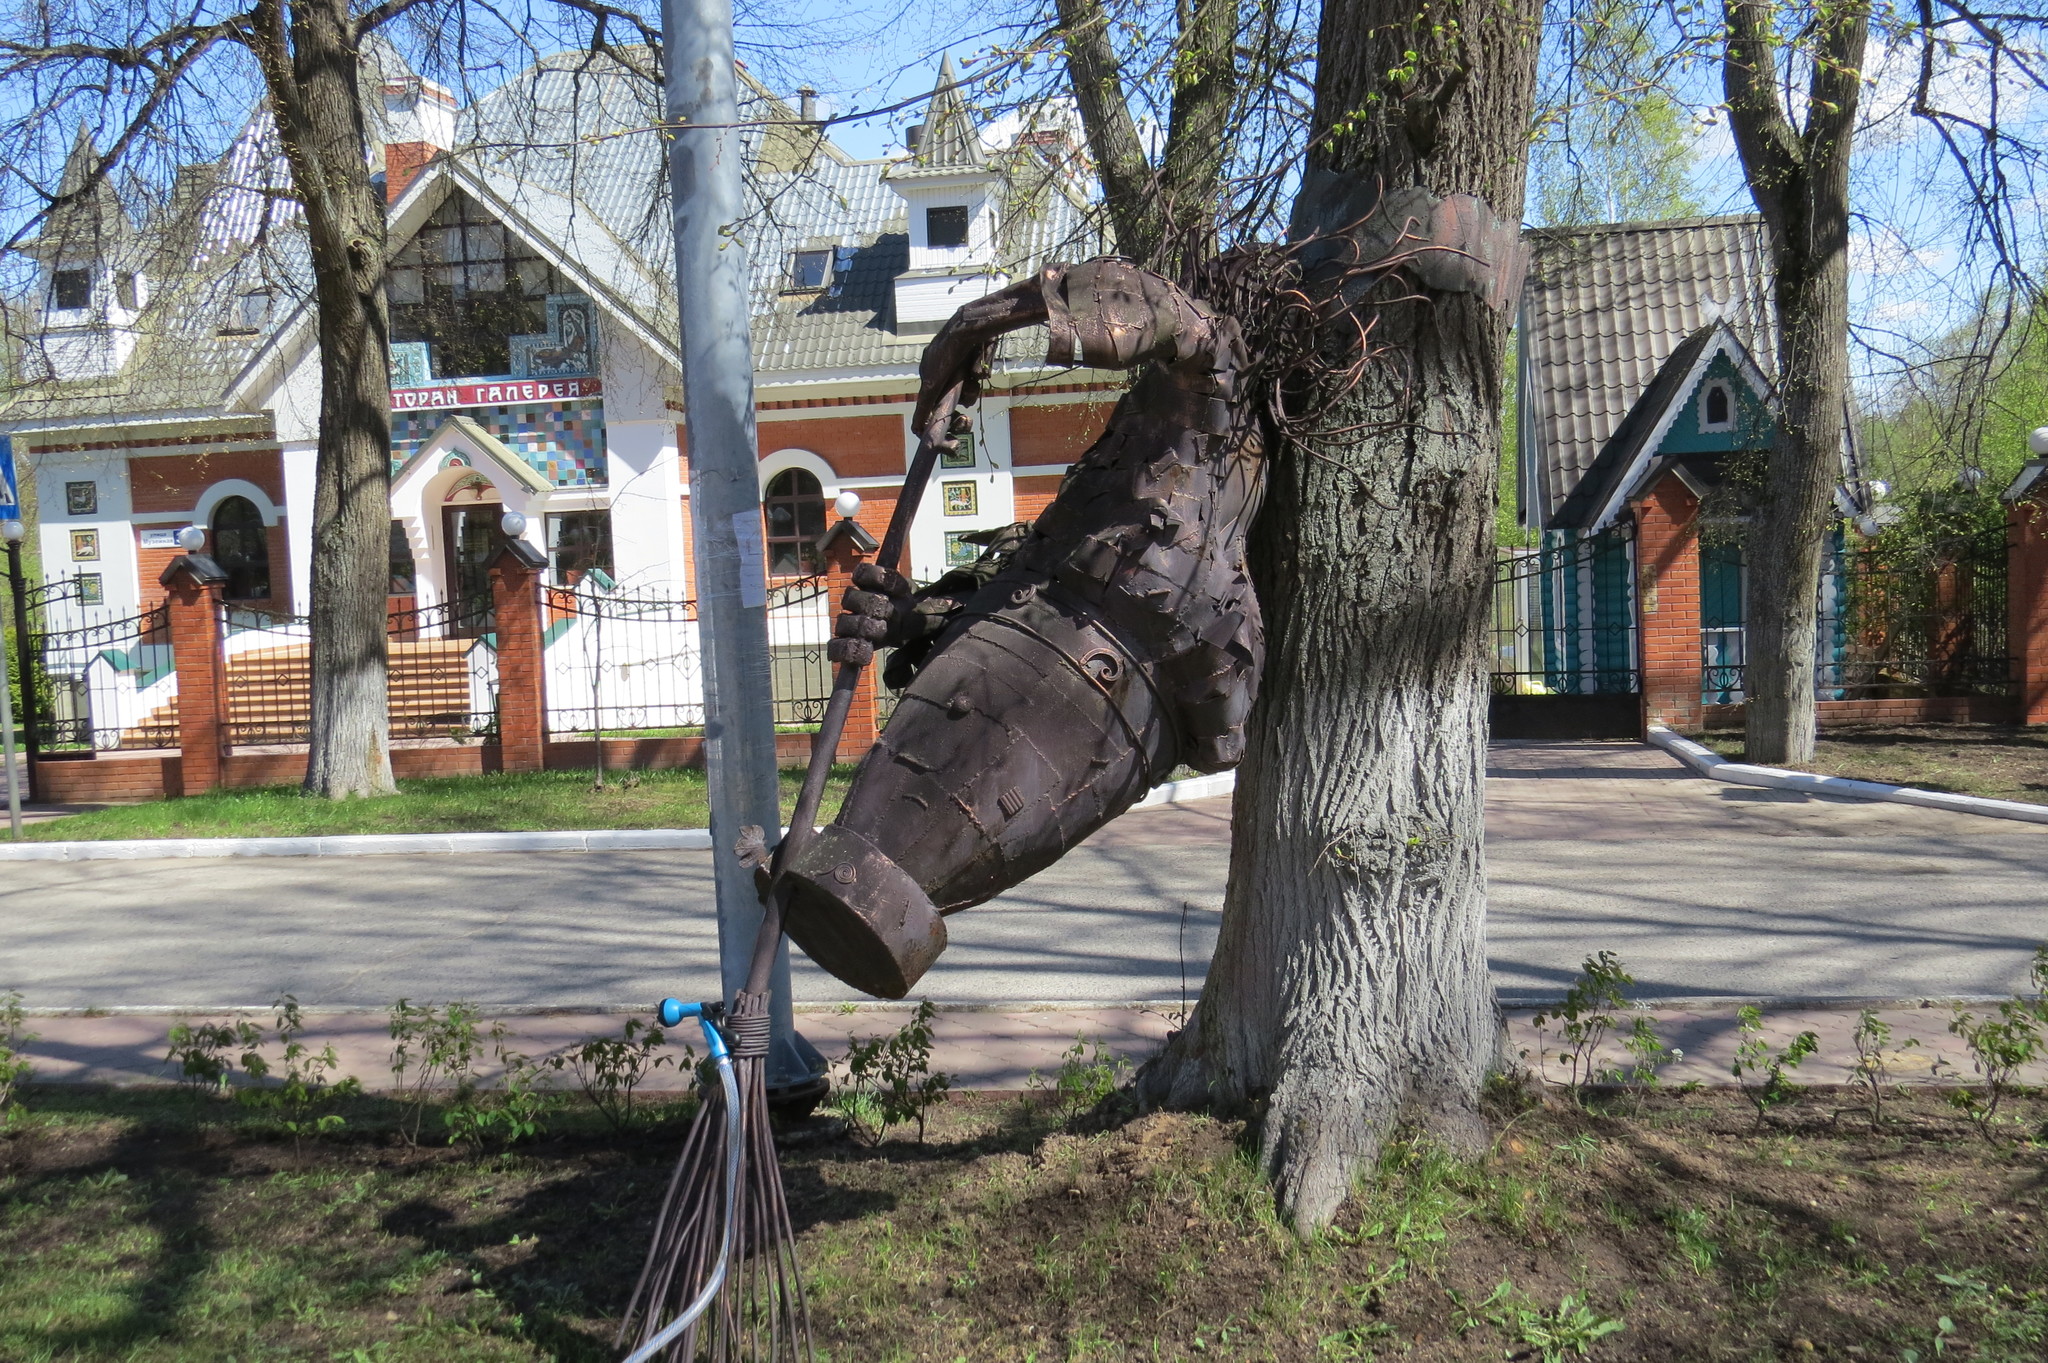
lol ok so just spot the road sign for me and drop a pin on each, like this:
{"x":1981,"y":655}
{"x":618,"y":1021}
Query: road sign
{"x":10,"y":495}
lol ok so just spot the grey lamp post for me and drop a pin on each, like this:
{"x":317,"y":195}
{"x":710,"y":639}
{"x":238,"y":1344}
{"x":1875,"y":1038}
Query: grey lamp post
{"x":13,"y":532}
{"x":705,"y":151}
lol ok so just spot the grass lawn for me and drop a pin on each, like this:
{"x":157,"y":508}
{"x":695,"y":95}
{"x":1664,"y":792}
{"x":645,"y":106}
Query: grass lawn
{"x":151,"y":1226}
{"x":2001,"y":761}
{"x":449,"y":804}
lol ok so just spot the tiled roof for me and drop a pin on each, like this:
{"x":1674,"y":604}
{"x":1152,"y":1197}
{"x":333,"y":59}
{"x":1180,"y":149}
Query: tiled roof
{"x":1604,"y":309}
{"x":570,"y":153}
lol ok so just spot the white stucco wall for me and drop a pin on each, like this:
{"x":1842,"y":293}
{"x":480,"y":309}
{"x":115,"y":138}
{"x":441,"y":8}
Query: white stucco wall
{"x":116,"y":564}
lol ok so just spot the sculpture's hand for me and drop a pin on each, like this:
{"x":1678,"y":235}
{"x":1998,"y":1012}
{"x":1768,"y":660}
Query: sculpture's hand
{"x":877,"y":609}
{"x":959,"y":354}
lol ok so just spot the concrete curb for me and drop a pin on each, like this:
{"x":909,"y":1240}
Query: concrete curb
{"x":461,"y":844}
{"x":1715,"y":767}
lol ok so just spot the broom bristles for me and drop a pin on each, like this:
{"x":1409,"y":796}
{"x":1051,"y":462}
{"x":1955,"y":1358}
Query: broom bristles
{"x":760,"y":1313}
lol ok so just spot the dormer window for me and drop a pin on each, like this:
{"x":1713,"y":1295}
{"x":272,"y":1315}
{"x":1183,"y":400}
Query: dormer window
{"x":810,"y":269}
{"x":71,"y":290}
{"x":126,"y":291}
{"x":945,"y":227}
{"x":1717,"y":406}
{"x":252,"y":311}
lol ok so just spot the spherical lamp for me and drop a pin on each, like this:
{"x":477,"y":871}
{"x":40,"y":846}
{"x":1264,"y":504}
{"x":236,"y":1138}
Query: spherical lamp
{"x":1971,"y":479}
{"x":846,"y":504}
{"x":2037,"y":440}
{"x":12,"y":531}
{"x":513,"y":524}
{"x":192,"y":538}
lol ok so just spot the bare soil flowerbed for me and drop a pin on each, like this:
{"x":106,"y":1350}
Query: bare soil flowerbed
{"x":154,"y":1226}
{"x":1999,"y":761}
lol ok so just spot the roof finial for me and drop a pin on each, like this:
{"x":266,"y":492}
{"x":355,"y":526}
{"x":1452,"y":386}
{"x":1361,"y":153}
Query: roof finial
{"x":950,"y":138}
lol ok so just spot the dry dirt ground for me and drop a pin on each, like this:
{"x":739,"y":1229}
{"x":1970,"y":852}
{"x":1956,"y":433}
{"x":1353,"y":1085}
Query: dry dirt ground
{"x":2000,"y":761}
{"x":147,"y":1226}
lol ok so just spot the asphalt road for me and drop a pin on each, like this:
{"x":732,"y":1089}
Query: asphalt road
{"x":1704,"y":890}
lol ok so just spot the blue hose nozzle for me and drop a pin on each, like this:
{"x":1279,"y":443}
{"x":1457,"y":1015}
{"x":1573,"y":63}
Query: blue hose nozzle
{"x":672,"y":1013}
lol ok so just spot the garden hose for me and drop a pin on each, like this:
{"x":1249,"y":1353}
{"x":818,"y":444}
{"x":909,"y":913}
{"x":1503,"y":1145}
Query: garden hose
{"x":673,"y":1011}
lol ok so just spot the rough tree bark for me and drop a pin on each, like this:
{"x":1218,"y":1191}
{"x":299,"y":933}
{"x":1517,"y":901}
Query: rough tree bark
{"x":1799,"y":179}
{"x":1349,"y":988}
{"x":311,"y":68}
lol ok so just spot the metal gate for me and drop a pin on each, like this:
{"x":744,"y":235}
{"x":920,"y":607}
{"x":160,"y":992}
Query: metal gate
{"x":1564,"y":654}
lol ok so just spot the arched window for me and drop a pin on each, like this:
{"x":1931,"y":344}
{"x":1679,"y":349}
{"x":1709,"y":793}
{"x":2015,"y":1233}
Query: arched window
{"x":1717,"y":406}
{"x":241,"y":547}
{"x":795,"y":508}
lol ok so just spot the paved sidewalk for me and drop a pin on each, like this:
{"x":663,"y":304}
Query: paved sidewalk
{"x":999,"y":1049}
{"x":1705,"y":891}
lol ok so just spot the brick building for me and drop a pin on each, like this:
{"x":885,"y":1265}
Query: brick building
{"x":1646,"y":358}
{"x":171,"y":376}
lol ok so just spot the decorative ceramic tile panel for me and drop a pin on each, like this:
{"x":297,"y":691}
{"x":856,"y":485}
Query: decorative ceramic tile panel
{"x":564,"y":444}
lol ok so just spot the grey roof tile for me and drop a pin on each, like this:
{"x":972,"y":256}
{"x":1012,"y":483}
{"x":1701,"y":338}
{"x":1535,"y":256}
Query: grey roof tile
{"x":1603,"y":310}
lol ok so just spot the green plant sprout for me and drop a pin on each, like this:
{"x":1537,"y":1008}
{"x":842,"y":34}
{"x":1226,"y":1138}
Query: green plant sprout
{"x":889,"y":1080}
{"x":1756,"y":1056}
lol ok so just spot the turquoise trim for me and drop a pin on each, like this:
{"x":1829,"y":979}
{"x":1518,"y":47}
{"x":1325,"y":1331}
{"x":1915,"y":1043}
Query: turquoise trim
{"x":147,"y":674}
{"x":556,"y":630}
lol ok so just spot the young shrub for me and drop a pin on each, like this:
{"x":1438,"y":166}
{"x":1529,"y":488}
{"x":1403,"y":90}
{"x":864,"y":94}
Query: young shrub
{"x":1588,"y":1016}
{"x":432,"y":1049}
{"x":1874,"y":1048}
{"x":200,"y":1052}
{"x":1754,"y":1055}
{"x":610,"y":1069}
{"x":889,"y":1080}
{"x":514,"y":1111}
{"x":306,"y":1083}
{"x":1999,"y":1048}
{"x":1082,"y":1080}
{"x":14,"y":1066}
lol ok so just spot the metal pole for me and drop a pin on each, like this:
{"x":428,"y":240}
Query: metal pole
{"x":705,"y":153}
{"x":24,"y":656}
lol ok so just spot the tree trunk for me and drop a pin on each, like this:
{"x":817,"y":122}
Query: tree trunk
{"x":1800,"y":182}
{"x":1350,"y":987}
{"x":314,"y":81}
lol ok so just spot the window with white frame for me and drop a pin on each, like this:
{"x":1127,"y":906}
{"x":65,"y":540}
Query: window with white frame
{"x":1717,"y":405}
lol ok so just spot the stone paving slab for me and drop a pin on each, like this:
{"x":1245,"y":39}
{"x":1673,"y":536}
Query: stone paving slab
{"x":1001,"y":1048}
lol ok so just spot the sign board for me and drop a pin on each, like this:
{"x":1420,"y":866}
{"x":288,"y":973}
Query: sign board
{"x":159,"y":539}
{"x":493,"y":393}
{"x":10,"y":494}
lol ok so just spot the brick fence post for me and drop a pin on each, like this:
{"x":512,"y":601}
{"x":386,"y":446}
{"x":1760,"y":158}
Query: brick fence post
{"x":2026,"y":598}
{"x":1668,"y":603}
{"x":192,"y":603}
{"x":846,"y":545}
{"x":522,"y":683}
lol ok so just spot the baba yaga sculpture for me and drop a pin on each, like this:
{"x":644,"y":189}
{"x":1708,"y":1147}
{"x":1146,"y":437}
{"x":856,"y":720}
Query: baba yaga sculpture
{"x":1080,"y":661}
{"x":1045,"y":688}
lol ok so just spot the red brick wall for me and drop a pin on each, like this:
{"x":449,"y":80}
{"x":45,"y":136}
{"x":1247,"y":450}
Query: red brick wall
{"x":123,"y":778}
{"x":402,"y":161}
{"x":174,"y":482}
{"x":855,"y":446}
{"x":2027,"y":607}
{"x":1056,"y":435}
{"x":1895,"y":710}
{"x":1668,"y":603}
{"x":522,"y":700}
{"x":1033,"y":495}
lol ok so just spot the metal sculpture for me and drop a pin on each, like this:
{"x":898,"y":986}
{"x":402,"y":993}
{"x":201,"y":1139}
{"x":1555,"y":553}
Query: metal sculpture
{"x":1080,"y":661}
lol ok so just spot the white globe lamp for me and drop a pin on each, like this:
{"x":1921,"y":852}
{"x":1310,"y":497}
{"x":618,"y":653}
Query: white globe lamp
{"x":846,"y":504}
{"x":2037,"y":440}
{"x":192,"y":538}
{"x":12,"y":531}
{"x":513,"y":524}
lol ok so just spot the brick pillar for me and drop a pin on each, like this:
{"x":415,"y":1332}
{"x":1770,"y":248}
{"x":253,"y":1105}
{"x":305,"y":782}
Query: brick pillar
{"x":192,"y":601}
{"x":1668,"y":603}
{"x":2026,"y":599}
{"x":862,"y":726}
{"x":522,"y":685}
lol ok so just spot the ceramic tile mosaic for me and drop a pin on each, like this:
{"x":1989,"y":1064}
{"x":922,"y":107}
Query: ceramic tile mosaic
{"x":565,"y":443}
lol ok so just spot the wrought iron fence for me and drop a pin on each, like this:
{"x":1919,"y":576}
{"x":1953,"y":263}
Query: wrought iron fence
{"x":441,"y":676}
{"x":1895,"y":621}
{"x":800,"y":614}
{"x":1564,"y":617}
{"x":106,"y":684}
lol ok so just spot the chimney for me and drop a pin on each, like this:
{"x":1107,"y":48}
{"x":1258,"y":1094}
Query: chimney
{"x":807,"y":104}
{"x":912,"y":136}
{"x":419,"y":124}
